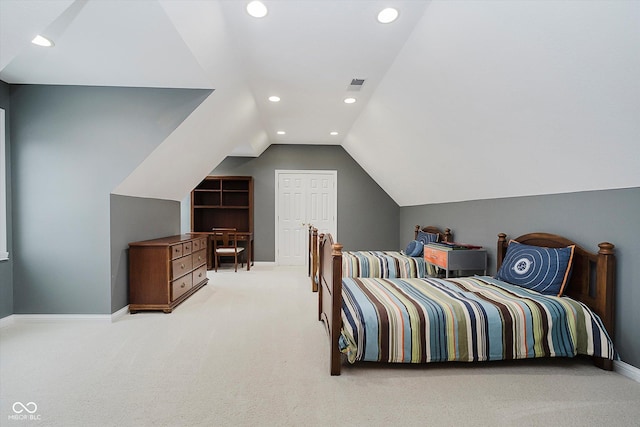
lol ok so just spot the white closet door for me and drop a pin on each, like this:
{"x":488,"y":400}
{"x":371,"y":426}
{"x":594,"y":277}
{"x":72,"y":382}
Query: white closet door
{"x":303,"y":198}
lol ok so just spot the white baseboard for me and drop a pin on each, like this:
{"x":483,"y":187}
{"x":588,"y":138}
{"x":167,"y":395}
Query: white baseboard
{"x":265,"y":263}
{"x":15,"y":318}
{"x":61,"y":317}
{"x":626,"y":370}
{"x":120,"y":313}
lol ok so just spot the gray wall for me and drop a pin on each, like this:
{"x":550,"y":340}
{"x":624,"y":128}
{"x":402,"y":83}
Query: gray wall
{"x":365,"y":211}
{"x":134,"y":219}
{"x":71,"y":146}
{"x":6,"y":267}
{"x":587,"y":218}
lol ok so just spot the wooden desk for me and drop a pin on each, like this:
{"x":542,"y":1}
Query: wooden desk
{"x":243,"y":236}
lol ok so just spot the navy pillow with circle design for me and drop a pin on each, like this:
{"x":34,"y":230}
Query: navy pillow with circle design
{"x":426,"y":238}
{"x":545,"y":270}
{"x":414,"y":248}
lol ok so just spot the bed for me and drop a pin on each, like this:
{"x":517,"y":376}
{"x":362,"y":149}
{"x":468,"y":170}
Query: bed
{"x":471,"y":319}
{"x":381,"y":263}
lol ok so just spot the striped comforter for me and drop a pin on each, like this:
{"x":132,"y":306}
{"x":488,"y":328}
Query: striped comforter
{"x":387,"y":264}
{"x":464,"y":319}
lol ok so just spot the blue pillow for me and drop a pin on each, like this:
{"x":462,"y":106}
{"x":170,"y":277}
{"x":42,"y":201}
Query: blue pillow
{"x":426,"y":238}
{"x":545,"y":270}
{"x":414,"y":248}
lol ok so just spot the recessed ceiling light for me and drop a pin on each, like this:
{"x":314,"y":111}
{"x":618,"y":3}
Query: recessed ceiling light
{"x":281,"y":132}
{"x":274,"y":98}
{"x":387,"y":15}
{"x":257,"y":9}
{"x":349,"y":100}
{"x":334,"y":133}
{"x":42,"y":41}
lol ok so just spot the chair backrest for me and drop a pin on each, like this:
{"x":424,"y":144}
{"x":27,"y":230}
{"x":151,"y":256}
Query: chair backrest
{"x":224,"y":238}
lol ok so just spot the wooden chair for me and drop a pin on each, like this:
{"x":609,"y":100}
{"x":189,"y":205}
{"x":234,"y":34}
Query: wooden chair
{"x":225,"y":244}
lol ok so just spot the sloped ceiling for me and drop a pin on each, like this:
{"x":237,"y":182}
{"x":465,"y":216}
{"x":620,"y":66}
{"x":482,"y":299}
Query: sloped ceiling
{"x":462,"y":99}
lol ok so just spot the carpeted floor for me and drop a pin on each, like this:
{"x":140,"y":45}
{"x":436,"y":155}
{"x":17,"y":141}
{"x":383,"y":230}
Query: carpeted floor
{"x":247,"y":350}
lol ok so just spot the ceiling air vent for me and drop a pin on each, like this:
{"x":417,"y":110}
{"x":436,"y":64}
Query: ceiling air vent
{"x":356,"y":84}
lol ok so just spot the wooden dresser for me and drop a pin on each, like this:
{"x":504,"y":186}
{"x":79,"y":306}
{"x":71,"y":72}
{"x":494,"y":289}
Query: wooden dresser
{"x":164,"y":272}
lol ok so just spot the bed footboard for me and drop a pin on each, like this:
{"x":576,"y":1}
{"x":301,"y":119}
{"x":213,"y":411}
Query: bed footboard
{"x":330,"y":295}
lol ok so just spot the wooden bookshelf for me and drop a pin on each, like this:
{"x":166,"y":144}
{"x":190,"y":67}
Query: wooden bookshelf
{"x":222,"y":201}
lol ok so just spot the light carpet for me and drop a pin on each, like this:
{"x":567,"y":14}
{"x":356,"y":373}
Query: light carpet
{"x":248,"y":350}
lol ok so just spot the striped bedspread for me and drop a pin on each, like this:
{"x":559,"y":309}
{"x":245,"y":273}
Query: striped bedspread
{"x":385,"y":264}
{"x":463,"y":319}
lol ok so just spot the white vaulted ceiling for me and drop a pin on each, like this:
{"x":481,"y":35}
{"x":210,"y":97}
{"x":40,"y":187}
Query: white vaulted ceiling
{"x":462,"y":99}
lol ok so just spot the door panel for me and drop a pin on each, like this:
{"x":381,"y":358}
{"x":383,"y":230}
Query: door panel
{"x":291,"y":215}
{"x":321,"y":203}
{"x":303,"y":198}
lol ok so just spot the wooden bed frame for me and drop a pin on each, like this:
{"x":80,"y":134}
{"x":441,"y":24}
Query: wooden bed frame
{"x":313,"y":257}
{"x":445,"y":236}
{"x":592,"y":282}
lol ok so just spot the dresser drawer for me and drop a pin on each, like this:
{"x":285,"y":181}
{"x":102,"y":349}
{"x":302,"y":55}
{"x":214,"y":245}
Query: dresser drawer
{"x":199,"y":258}
{"x":436,"y":256}
{"x":181,"y":266}
{"x":176,"y":251}
{"x":199,"y":244}
{"x":180,"y":286}
{"x":199,"y":274}
{"x":187,"y":248}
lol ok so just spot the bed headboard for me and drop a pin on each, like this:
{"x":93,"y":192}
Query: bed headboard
{"x":445,"y":236}
{"x":592,"y":276}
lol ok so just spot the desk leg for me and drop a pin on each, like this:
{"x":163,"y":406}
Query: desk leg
{"x":250,"y":254}
{"x":209,"y":253}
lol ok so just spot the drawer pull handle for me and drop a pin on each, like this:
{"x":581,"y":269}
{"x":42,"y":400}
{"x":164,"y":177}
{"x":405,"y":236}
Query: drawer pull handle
{"x":182,"y":266}
{"x":183,"y":285}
